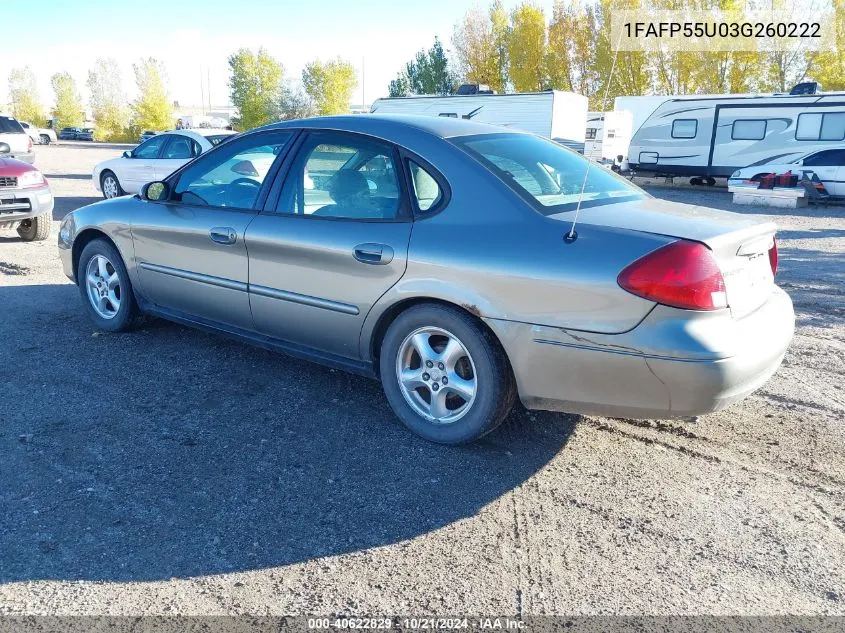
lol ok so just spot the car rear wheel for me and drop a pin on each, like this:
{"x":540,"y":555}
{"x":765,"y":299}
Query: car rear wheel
{"x":45,"y":139}
{"x":105,"y":287}
{"x":110,"y":186}
{"x":35,"y":229}
{"x":444,"y":375}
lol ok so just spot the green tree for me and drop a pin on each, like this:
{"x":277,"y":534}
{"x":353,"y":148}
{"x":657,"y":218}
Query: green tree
{"x":295,"y":104}
{"x":329,"y":85}
{"x":632,"y":75}
{"x":401,"y":86}
{"x":500,"y":31}
{"x":152,"y":110}
{"x":108,"y":101}
{"x":26,"y":106}
{"x":829,"y":66}
{"x":526,"y":48}
{"x":256,"y":87}
{"x":427,"y":74}
{"x":68,"y":111}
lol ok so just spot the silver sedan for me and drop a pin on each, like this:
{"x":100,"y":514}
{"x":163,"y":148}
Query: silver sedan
{"x":443,"y":257}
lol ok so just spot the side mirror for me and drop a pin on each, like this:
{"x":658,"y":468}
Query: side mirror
{"x":5,"y":149}
{"x":127,"y":153}
{"x":157,"y":191}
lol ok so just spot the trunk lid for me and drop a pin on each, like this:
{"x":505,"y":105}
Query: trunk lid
{"x":739,"y":243}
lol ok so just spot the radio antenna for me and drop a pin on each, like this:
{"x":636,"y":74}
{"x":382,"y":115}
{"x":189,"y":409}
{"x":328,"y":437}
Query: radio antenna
{"x":572,"y":235}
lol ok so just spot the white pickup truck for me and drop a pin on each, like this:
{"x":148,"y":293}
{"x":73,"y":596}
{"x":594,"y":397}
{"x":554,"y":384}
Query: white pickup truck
{"x":40,"y":135}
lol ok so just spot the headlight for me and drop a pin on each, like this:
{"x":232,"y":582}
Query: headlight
{"x":31,"y":179}
{"x":66,"y":231}
{"x":735,"y":174}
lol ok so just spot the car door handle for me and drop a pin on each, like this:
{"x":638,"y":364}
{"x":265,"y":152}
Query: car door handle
{"x":370,"y":253}
{"x":223,"y":235}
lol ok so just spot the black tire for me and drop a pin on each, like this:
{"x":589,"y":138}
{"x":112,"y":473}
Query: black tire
{"x":695,"y":182}
{"x":127,"y":313}
{"x":495,"y":386}
{"x":709,"y":181}
{"x":45,"y":139}
{"x":36,"y":229}
{"x":110,"y":174}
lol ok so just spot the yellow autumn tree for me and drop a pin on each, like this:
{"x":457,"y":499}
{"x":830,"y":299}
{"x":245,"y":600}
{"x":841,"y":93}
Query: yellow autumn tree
{"x":527,"y":48}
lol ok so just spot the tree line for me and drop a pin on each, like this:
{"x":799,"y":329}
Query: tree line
{"x":257,"y":90}
{"x":524,"y":50}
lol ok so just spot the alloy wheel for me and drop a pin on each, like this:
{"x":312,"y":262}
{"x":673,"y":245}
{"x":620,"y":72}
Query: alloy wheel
{"x":110,"y":187}
{"x":103,"y":285}
{"x":436,"y":375}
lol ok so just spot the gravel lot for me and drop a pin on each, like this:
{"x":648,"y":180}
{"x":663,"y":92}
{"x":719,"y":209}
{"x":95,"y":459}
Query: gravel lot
{"x":168,"y":471}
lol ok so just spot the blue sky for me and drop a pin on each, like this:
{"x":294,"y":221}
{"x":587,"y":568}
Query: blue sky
{"x":193,"y":38}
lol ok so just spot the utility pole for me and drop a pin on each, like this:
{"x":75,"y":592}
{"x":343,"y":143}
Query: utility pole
{"x":363,"y":82}
{"x":208,"y":88}
{"x":202,"y":93}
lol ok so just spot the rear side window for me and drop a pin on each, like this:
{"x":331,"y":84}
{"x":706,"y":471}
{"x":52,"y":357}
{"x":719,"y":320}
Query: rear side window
{"x":684,"y":128}
{"x":828,"y":158}
{"x":8,"y":125}
{"x":749,"y":130}
{"x":179,"y":147}
{"x":427,"y":192}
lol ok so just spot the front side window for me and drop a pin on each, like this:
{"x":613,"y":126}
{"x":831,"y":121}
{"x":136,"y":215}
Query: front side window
{"x":748,"y":130}
{"x":549,"y":176}
{"x":591,"y":134}
{"x":151,"y":148}
{"x":684,"y":128}
{"x":341,"y":176}
{"x":231,"y":176}
{"x":828,"y":158}
{"x":427,"y":192}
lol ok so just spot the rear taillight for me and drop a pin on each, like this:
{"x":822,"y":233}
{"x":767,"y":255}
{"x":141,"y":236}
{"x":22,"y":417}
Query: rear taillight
{"x":773,"y":257}
{"x":681,"y":274}
{"x":29,"y":145}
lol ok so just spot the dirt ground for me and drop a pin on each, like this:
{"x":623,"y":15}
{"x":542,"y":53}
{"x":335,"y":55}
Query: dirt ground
{"x":167,"y":471}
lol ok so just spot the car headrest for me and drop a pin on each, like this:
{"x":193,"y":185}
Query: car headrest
{"x":348,"y":184}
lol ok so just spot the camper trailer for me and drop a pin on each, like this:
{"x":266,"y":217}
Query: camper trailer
{"x":607,"y":138}
{"x":709,"y":136}
{"x":553,"y":114}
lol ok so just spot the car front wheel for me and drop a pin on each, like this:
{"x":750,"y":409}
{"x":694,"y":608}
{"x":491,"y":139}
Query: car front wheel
{"x":110,"y":186}
{"x":445,"y":376}
{"x":105,"y":287}
{"x":35,"y":229}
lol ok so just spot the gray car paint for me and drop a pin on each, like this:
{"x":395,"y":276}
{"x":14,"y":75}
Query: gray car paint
{"x":575,"y":339}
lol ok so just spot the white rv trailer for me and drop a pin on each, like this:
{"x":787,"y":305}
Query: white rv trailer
{"x":554,"y":114}
{"x":608,"y":136}
{"x":713,"y":135}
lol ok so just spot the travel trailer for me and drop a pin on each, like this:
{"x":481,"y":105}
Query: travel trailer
{"x":607,"y":138}
{"x":554,"y":114}
{"x":709,"y":136}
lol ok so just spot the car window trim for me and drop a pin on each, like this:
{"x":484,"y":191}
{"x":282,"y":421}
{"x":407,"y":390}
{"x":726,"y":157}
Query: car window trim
{"x":404,"y":213}
{"x":257,"y":205}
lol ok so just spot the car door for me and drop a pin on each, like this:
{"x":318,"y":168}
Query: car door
{"x":178,"y":150}
{"x":140,"y":167}
{"x":190,"y":250}
{"x":334,"y":241}
{"x":828,"y":166}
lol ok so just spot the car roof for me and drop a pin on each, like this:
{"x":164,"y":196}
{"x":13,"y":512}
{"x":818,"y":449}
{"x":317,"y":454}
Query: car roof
{"x":378,"y":124}
{"x":208,"y":131}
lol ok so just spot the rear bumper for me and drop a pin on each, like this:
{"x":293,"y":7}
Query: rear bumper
{"x":22,"y":204}
{"x":27,"y":157}
{"x":669,"y":366}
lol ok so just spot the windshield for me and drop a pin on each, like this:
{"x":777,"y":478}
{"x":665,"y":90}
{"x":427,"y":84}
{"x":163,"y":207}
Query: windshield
{"x":546,"y":174}
{"x":8,"y":125}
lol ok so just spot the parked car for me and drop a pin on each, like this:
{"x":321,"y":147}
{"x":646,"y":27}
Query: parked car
{"x":440,"y":255}
{"x":85,"y":134}
{"x":41,"y":135}
{"x":18,"y":141}
{"x":146,"y":135}
{"x":827,"y":164}
{"x":153,"y":160}
{"x":69,"y":133}
{"x":26,"y":202}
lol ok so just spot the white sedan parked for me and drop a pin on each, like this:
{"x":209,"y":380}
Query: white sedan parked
{"x":153,"y":159}
{"x":827,"y":164}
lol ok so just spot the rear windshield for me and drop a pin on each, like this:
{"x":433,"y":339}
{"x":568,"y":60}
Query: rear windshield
{"x":8,"y":125}
{"x":546,"y":174}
